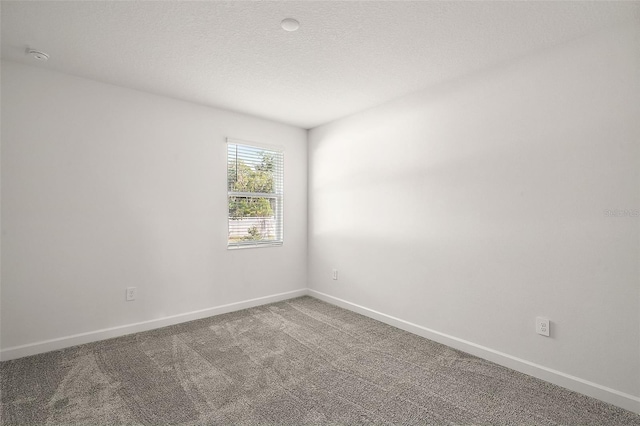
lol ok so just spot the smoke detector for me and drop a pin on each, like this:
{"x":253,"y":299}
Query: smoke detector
{"x":290,"y":24}
{"x":38,"y":55}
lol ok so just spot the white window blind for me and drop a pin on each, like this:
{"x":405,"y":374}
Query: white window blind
{"x":255,"y":195}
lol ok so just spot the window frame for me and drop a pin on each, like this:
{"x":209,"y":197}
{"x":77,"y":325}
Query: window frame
{"x":278,"y":195}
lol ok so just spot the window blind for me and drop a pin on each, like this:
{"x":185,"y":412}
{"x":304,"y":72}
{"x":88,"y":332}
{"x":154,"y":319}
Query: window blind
{"x":255,"y":195}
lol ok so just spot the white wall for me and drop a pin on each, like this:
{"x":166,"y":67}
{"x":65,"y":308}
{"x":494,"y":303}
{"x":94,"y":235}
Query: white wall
{"x":502,"y":178}
{"x":105,"y":187}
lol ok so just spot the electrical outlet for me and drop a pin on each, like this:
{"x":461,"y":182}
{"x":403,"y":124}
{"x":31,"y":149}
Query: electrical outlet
{"x":132,"y":292}
{"x":334,"y":274}
{"x":542,"y":326}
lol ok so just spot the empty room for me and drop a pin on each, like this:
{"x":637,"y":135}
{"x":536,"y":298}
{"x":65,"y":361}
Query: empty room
{"x":320,"y":212}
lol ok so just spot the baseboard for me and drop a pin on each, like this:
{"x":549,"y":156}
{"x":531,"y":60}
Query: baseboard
{"x":108,"y":333}
{"x":603,"y":393}
{"x":585,"y":387}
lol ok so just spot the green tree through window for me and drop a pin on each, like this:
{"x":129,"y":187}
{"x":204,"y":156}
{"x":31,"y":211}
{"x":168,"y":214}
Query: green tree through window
{"x":254,"y":184}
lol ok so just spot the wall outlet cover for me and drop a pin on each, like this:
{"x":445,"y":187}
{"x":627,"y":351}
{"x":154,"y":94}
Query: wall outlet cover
{"x":542,"y":326}
{"x":132,"y":292}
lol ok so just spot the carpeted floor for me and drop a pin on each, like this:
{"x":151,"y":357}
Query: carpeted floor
{"x":294,"y":362}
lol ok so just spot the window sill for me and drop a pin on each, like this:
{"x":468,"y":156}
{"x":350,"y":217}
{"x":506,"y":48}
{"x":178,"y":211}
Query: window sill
{"x":253,"y":246}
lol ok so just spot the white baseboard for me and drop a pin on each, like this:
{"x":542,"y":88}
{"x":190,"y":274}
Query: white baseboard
{"x":585,"y":387}
{"x":603,"y":393}
{"x":108,"y":333}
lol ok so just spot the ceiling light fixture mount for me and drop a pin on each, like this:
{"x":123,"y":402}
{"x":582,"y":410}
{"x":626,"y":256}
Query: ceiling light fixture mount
{"x":290,"y":24}
{"x":37,"y":55}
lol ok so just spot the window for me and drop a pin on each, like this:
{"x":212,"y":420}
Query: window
{"x":254,"y":185}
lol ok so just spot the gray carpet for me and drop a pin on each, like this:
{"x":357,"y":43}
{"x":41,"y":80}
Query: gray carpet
{"x":294,"y":362}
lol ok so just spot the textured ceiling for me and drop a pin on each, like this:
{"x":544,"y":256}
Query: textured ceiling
{"x":346,"y":56}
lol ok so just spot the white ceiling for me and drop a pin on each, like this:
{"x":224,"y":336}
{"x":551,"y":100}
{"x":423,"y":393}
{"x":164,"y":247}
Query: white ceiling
{"x":347,"y":55}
